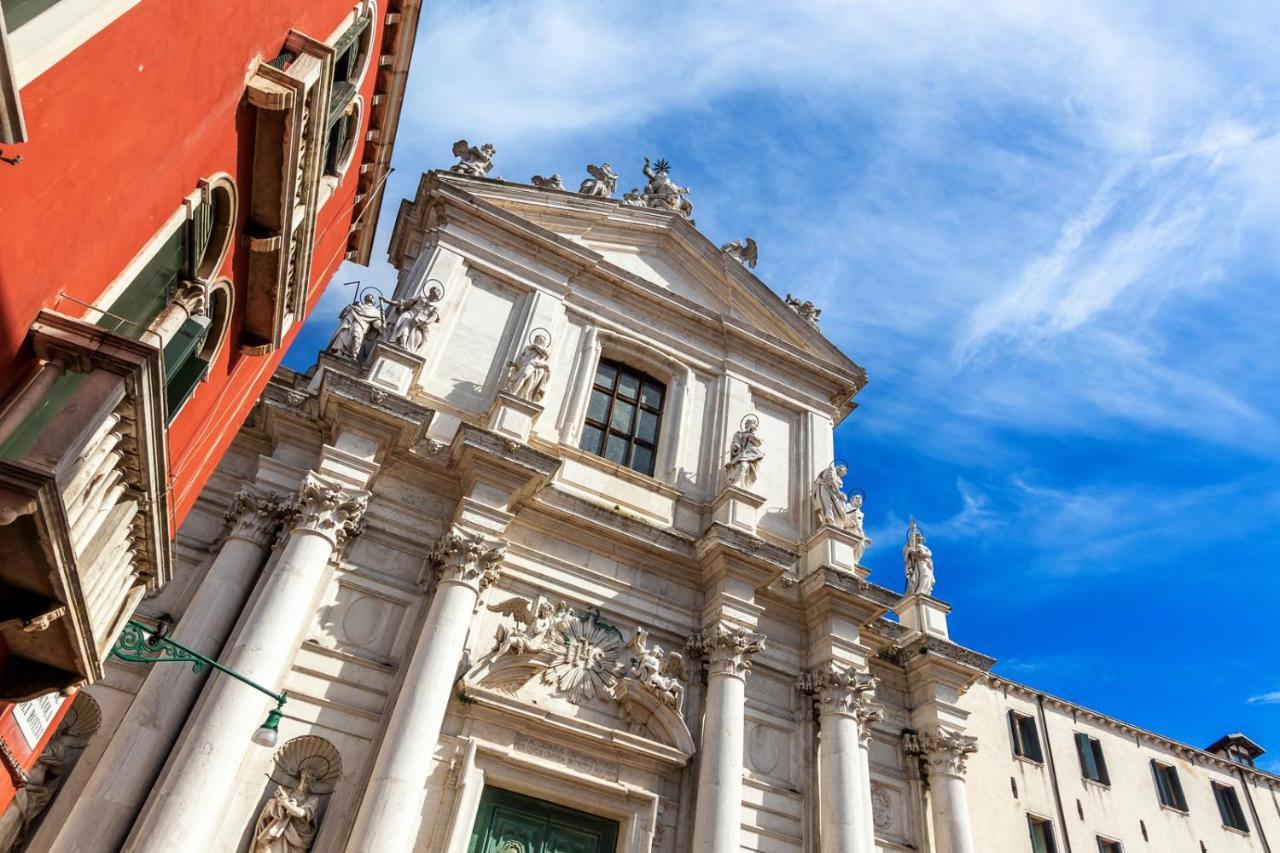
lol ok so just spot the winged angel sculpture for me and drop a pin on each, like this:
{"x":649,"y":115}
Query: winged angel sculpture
{"x":534,"y":622}
{"x":661,"y":671}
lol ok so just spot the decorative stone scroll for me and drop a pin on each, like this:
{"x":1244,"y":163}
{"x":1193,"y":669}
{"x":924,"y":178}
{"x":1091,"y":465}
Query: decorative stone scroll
{"x":728,"y":649}
{"x":253,"y":517}
{"x":473,"y":161}
{"x":940,"y":751}
{"x":467,"y":557}
{"x":326,"y":508}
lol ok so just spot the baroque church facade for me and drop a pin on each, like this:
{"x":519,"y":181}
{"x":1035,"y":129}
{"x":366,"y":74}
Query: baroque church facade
{"x":550,"y":552}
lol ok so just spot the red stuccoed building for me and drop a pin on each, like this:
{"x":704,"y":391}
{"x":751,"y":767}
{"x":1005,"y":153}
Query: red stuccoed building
{"x":179,"y":182}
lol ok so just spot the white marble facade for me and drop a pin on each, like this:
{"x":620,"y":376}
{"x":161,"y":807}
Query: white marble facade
{"x":454,"y":596}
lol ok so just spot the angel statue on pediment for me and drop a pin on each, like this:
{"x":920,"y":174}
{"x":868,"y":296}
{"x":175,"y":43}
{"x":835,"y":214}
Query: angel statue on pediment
{"x":661,"y":671}
{"x":474,"y":162}
{"x":602,"y":182}
{"x":534,"y":621}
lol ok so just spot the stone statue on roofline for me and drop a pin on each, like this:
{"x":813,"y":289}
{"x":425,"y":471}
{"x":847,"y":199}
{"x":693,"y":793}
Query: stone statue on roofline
{"x":661,"y":193}
{"x":917,"y":559}
{"x":806,"y":309}
{"x":475,"y":162}
{"x":602,"y":183}
{"x":743,"y":251}
{"x":552,"y":183}
{"x":633,"y":198}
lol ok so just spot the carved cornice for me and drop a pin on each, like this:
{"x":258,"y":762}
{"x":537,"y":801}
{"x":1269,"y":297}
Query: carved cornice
{"x":844,"y":690}
{"x":940,"y":751}
{"x":722,"y":535}
{"x":925,"y":645}
{"x":468,"y":558}
{"x":253,"y":517}
{"x":324,"y":507}
{"x":727,"y":649}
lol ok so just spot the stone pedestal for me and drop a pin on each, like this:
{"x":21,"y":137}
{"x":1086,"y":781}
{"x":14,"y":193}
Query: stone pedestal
{"x":391,"y":813}
{"x":190,"y":800}
{"x":738,"y":508}
{"x":836,"y":548}
{"x":394,"y":368}
{"x":513,"y":416}
{"x":923,"y":613}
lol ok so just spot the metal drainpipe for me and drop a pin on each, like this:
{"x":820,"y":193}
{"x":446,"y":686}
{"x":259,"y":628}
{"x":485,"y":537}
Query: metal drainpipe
{"x":1262,"y":834}
{"x":1053,"y":773}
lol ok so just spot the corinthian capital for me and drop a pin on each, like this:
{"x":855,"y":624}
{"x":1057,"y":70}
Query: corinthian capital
{"x":467,"y":557}
{"x":253,"y":517}
{"x":942,"y":751}
{"x":728,"y":649}
{"x":326,"y":508}
{"x":844,"y":690}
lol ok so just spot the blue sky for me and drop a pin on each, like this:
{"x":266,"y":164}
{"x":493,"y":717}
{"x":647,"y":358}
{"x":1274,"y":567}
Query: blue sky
{"x":1047,"y":230}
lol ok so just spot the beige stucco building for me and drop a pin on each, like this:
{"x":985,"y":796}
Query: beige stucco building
{"x":513,"y":554}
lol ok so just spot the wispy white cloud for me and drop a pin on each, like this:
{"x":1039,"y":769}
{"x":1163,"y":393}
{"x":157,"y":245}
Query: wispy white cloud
{"x":1272,"y":698}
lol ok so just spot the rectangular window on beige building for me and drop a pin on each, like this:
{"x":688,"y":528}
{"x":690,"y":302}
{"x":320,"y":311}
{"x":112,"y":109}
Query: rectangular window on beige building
{"x":624,"y":415}
{"x":1168,"y":786}
{"x":1229,"y":807}
{"x":1107,"y":846}
{"x":1042,"y":840}
{"x":1092,"y":765}
{"x":1026,"y":738}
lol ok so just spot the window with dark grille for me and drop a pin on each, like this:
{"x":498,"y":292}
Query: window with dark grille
{"x":1229,"y":807}
{"x":624,"y":416}
{"x":1092,"y":764}
{"x":1026,"y":739}
{"x":1041,"y":835}
{"x":1168,"y":786}
{"x":350,"y":52}
{"x":1107,"y":846}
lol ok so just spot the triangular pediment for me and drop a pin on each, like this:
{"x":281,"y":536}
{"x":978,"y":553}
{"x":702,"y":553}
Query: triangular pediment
{"x":663,"y":250}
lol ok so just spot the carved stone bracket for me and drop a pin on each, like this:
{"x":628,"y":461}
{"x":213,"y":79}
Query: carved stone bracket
{"x":940,"y":751}
{"x":844,"y":690}
{"x":467,"y":557}
{"x":727,"y":649}
{"x":254,"y":517}
{"x":326,"y":508}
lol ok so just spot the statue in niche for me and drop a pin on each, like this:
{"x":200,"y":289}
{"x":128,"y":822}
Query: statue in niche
{"x":356,"y":322}
{"x":633,"y":198}
{"x":661,"y":671}
{"x":829,"y":500}
{"x":287,"y":823}
{"x":745,"y":454}
{"x":416,"y":316}
{"x":602,"y":182}
{"x":744,"y":251}
{"x":661,"y":193}
{"x":917,"y":559}
{"x":533,"y":624}
{"x":552,"y":183}
{"x":529,"y":371}
{"x":472,"y":161}
{"x":806,"y":309}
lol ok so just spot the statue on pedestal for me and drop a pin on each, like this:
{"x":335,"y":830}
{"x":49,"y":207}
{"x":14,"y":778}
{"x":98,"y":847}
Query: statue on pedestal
{"x":416,"y":316}
{"x":529,"y":371}
{"x":806,"y":309}
{"x":472,"y":161}
{"x":745,"y":454}
{"x":356,"y":322}
{"x":918,"y":562}
{"x":287,"y":823}
{"x":744,"y":251}
{"x":662,"y":193}
{"x":602,"y":182}
{"x":829,"y":500}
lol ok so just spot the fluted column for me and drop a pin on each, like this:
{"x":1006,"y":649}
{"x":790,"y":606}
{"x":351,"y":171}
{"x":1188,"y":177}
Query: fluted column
{"x":184,"y":811}
{"x":105,"y":809}
{"x":845,"y":713}
{"x":390,"y":815}
{"x":943,"y":756}
{"x":727,"y":650}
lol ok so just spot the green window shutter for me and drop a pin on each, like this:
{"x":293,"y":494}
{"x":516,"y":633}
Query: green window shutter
{"x":184,"y":369}
{"x":1085,"y":751}
{"x":200,"y":231}
{"x":1100,"y":762}
{"x":150,"y":291}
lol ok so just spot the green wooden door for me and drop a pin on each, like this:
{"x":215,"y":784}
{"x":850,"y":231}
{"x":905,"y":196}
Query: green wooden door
{"x":508,"y":822}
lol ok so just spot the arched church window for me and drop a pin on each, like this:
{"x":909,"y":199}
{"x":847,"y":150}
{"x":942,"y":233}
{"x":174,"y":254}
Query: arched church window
{"x":624,"y":416}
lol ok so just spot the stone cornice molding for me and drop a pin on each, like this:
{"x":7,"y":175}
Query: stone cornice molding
{"x":719,"y":535}
{"x":323,"y":507}
{"x":467,"y":558}
{"x":727,"y":649}
{"x":844,"y":690}
{"x":941,"y":751}
{"x":253,"y":517}
{"x":918,"y":645}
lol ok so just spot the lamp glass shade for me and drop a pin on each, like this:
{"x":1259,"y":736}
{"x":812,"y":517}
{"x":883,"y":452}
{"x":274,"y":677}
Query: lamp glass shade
{"x":267,"y":733}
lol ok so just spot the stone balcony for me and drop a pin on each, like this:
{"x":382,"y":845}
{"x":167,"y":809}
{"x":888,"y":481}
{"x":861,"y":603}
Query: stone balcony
{"x":84,"y":515}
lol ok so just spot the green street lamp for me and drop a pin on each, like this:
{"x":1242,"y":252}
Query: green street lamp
{"x":138,"y":644}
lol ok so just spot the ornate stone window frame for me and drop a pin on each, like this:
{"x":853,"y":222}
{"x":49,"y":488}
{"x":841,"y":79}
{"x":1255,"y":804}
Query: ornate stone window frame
{"x":597,"y":343}
{"x":330,"y":181}
{"x":636,"y":811}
